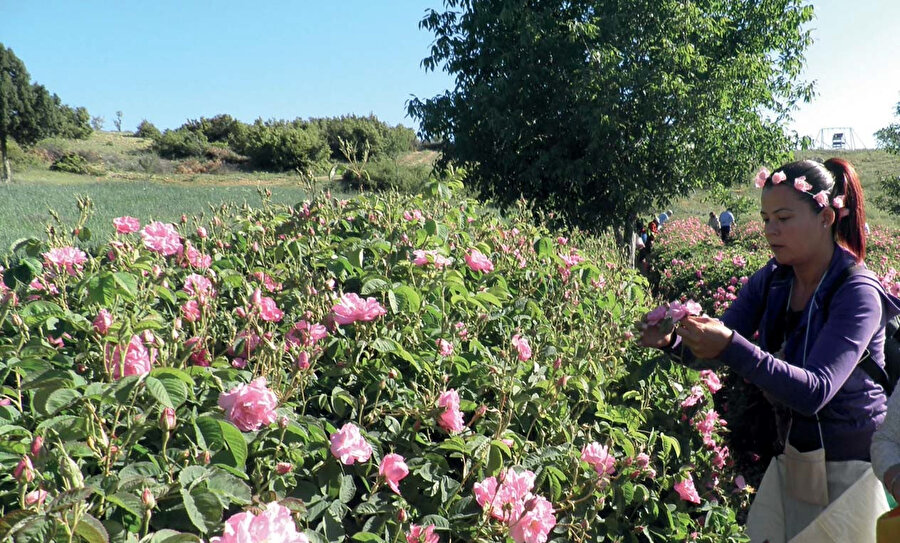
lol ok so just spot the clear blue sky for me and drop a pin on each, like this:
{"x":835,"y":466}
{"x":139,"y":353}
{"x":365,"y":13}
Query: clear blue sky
{"x":168,"y":61}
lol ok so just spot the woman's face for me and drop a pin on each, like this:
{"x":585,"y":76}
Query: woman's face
{"x":795,"y":231}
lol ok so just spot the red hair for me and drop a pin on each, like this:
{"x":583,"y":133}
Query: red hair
{"x":850,"y":230}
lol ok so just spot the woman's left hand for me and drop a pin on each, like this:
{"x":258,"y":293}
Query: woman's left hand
{"x":706,"y":337}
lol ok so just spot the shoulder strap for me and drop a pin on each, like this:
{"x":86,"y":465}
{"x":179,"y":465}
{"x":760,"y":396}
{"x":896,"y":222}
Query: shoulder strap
{"x":873,"y":370}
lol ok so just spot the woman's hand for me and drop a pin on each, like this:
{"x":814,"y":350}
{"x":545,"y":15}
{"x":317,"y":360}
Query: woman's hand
{"x":654,"y":335}
{"x":705,"y":336}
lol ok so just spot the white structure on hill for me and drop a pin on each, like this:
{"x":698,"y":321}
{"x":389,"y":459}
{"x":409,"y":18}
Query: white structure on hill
{"x":841,"y":137}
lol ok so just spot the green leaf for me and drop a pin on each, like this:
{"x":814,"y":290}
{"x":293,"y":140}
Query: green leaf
{"x":37,"y":312}
{"x":193,"y":512}
{"x":385,"y":345}
{"x":157,"y":389}
{"x":59,"y":399}
{"x":171,"y":536}
{"x":126,"y":285}
{"x":670,"y":443}
{"x":373,"y":285}
{"x":412,"y":301}
{"x":235,"y":441}
{"x":228,"y":485}
{"x":11,"y":519}
{"x":176,"y":389}
{"x":190,"y":475}
{"x":366,"y":536}
{"x":348,"y":489}
{"x":91,"y":530}
{"x":209,"y":432}
{"x":69,"y":498}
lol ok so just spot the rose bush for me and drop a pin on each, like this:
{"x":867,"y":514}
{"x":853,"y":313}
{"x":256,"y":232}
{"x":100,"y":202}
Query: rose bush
{"x":369,"y":365}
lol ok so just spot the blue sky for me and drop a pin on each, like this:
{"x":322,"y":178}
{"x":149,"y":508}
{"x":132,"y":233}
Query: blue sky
{"x":168,"y":61}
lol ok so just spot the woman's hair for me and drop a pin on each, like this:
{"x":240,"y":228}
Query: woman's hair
{"x":838,"y":178}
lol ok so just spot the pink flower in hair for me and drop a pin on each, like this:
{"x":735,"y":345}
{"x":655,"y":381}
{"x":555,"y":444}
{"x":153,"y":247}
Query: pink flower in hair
{"x":821,"y":198}
{"x":801,"y":184}
{"x":761,"y":176}
{"x":844,"y":212}
{"x":778,"y":177}
{"x":838,"y":202}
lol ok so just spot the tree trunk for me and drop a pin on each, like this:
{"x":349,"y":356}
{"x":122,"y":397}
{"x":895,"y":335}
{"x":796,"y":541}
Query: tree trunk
{"x":5,"y":169}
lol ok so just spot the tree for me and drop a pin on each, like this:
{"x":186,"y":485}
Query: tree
{"x":28,"y":112}
{"x":97,"y":122}
{"x":16,"y":108}
{"x":602,"y":110}
{"x":118,"y":121}
{"x":889,"y":139}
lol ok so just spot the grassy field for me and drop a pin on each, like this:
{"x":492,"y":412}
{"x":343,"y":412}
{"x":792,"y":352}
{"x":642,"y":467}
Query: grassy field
{"x":871,"y":166}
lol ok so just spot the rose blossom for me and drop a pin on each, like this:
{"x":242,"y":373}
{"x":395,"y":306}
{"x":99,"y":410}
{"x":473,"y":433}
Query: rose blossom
{"x":161,"y":238}
{"x":598,"y":456}
{"x":349,"y":446}
{"x":445,"y":348}
{"x":199,"y":287}
{"x":478,"y":262}
{"x":24,"y":470}
{"x":711,"y":380}
{"x":126,"y":224}
{"x":268,"y":311}
{"x":686,"y":490}
{"x":657,"y":315}
{"x":522,"y":346}
{"x":65,"y":258}
{"x":535,"y":523}
{"x":451,"y":419}
{"x":778,"y":177}
{"x":423,"y":258}
{"x":305,"y":334}
{"x":351,"y":308}
{"x":137,"y":359}
{"x":283,"y":468}
{"x":249,"y":406}
{"x":102,"y":322}
{"x":422,"y":534}
{"x":275,"y":524}
{"x":35,"y":497}
{"x":393,"y":468}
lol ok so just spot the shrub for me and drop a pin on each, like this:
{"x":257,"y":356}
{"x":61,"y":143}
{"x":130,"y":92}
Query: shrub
{"x":147,"y":130}
{"x":195,"y":166}
{"x":465,"y":374}
{"x":388,"y":174}
{"x":281,"y":146}
{"x":180,"y":143}
{"x":382,"y":139}
{"x":215,"y":129}
{"x":84,"y":163}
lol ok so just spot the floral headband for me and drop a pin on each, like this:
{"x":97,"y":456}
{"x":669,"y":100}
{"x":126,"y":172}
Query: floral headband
{"x":800,"y":184}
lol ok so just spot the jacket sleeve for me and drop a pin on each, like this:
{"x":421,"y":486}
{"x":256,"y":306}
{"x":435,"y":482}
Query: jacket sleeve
{"x":833,"y":352}
{"x":886,"y":441}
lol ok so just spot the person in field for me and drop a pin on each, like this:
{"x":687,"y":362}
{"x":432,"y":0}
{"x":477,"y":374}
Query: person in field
{"x":726,"y":221}
{"x":806,"y":358}
{"x":713,"y":223}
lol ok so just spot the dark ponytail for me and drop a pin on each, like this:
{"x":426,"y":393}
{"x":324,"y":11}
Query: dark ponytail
{"x":850,"y":222}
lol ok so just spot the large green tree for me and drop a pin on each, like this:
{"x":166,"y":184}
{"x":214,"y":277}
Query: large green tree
{"x":602,"y":110}
{"x":28,"y":112}
{"x":889,"y":139}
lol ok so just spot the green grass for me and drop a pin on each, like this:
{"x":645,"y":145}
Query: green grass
{"x":24,"y":204}
{"x":871,"y":166}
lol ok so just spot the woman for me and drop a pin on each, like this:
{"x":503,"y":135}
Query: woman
{"x":806,"y":362}
{"x":713,"y":223}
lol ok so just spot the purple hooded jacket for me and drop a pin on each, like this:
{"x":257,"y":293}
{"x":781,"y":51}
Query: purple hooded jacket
{"x":849,"y":404}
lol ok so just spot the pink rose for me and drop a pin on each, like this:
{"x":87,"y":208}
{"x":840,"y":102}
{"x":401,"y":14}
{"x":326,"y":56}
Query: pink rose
{"x":821,"y":198}
{"x":801,"y":184}
{"x":445,"y":348}
{"x":423,"y":258}
{"x":273,"y":524}
{"x":65,"y":258}
{"x":522,"y":346}
{"x":778,"y":177}
{"x":249,"y":406}
{"x":305,"y":334}
{"x":422,"y":534}
{"x":201,"y":232}
{"x":686,"y":490}
{"x":24,"y":470}
{"x":191,"y":311}
{"x":711,"y":380}
{"x":268,"y":311}
{"x":414,"y":215}
{"x":126,"y":224}
{"x":102,"y":322}
{"x":349,"y":446}
{"x":351,"y":308}
{"x":657,"y":315}
{"x":199,"y":287}
{"x":161,"y":238}
{"x":35,"y":497}
{"x":451,"y":419}
{"x":393,"y":468}
{"x":761,"y":176}
{"x":838,"y":202}
{"x":283,"y":468}
{"x":505,"y":499}
{"x":533,"y":525}
{"x":137,"y":360}
{"x":598,"y":456}
{"x":478,"y":262}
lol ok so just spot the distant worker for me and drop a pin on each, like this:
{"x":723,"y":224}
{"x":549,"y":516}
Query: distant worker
{"x":664,"y":216}
{"x":726,"y":221}
{"x":713,"y":223}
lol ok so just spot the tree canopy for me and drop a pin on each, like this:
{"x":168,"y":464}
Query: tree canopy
{"x":889,"y":139}
{"x":601,"y":110}
{"x":28,"y":112}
